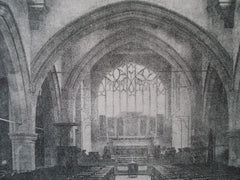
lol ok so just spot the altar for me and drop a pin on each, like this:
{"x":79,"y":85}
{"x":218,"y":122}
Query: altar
{"x":132,"y":134}
{"x":131,"y":141}
{"x":124,"y":149}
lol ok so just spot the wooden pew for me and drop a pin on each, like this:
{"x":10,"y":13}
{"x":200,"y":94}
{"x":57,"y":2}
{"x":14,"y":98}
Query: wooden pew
{"x":106,"y":173}
{"x":195,"y":172}
{"x":86,"y":173}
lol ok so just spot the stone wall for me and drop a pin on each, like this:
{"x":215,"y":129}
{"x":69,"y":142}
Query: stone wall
{"x":5,"y":142}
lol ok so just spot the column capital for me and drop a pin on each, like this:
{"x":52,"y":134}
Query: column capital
{"x":24,"y":137}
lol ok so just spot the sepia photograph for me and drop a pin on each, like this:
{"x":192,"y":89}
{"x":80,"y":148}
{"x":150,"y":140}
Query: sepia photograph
{"x":119,"y":89}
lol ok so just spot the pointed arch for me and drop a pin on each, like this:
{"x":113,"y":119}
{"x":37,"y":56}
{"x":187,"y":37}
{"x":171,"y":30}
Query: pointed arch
{"x":13,"y":56}
{"x":122,"y":38}
{"x":121,"y":11}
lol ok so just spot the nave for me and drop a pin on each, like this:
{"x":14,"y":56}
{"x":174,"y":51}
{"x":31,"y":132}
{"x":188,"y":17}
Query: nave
{"x":154,"y":172}
{"x":109,"y":90}
{"x":185,"y":164}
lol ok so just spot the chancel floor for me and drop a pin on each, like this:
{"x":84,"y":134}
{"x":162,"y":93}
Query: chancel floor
{"x":140,"y":177}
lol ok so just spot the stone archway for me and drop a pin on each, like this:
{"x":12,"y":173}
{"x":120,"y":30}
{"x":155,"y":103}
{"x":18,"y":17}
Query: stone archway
{"x":47,"y":113}
{"x":119,"y":39}
{"x":234,"y":110}
{"x":216,"y":115}
{"x":22,"y":132}
{"x":115,"y":41}
{"x":107,"y":16}
{"x":118,"y":16}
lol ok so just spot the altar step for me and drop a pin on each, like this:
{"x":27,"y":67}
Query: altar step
{"x":123,"y":170}
{"x":126,"y":160}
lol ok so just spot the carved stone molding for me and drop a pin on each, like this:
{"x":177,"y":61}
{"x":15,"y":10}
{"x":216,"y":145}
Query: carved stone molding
{"x":226,"y":10}
{"x":36,"y":11}
{"x":23,"y":137}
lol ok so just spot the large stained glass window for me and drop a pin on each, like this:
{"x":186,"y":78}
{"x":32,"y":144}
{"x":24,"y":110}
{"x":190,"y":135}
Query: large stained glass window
{"x":131,"y":96}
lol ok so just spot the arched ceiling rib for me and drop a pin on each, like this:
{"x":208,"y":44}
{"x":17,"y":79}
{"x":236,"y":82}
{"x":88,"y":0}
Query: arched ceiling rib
{"x":122,"y":38}
{"x":120,"y":13}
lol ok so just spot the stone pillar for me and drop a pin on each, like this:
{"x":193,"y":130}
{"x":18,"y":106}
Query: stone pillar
{"x":234,"y":148}
{"x":22,"y":132}
{"x":198,"y":132}
{"x":86,"y":114}
{"x":94,"y":117}
{"x":68,"y":105}
{"x":168,"y":119}
{"x":23,"y":151}
{"x":234,"y":129}
{"x":68,"y":113}
{"x":78,"y":118}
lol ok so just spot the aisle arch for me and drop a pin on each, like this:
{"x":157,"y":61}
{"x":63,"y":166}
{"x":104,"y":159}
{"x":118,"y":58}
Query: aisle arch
{"x":15,"y":62}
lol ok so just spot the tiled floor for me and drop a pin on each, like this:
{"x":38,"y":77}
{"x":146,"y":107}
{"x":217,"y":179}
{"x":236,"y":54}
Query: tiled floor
{"x":137,"y":178}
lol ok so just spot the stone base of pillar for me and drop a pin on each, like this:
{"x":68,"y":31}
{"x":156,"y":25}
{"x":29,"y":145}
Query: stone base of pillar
{"x":221,"y":153}
{"x":23,"y":151}
{"x":234,"y":148}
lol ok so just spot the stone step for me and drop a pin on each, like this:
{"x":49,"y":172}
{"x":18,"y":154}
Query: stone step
{"x":123,"y":170}
{"x":126,"y":160}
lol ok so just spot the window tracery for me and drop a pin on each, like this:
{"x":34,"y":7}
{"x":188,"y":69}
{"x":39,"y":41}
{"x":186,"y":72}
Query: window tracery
{"x":131,"y":88}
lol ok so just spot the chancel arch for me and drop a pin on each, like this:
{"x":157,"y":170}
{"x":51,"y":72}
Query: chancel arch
{"x":140,"y":23}
{"x":138,"y":12}
{"x":121,"y":39}
{"x":128,"y":37}
{"x":111,"y":60}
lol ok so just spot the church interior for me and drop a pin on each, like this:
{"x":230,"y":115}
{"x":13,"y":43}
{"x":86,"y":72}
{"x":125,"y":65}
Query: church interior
{"x":120,"y":89}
